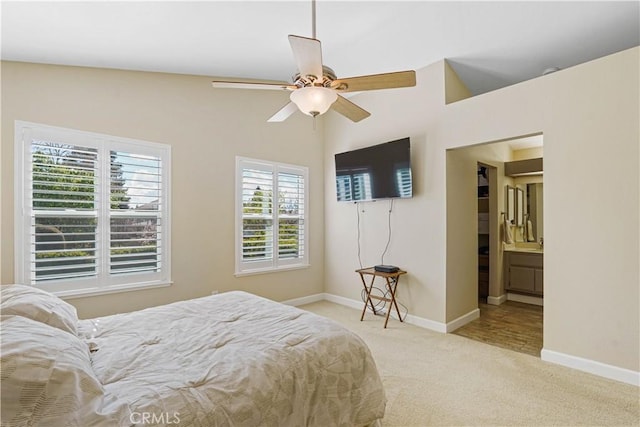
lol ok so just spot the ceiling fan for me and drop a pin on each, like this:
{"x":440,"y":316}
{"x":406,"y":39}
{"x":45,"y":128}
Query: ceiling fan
{"x":315,"y":87}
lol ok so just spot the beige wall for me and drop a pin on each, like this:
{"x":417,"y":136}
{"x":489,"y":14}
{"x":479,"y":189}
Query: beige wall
{"x":206,"y":129}
{"x":589,"y":116}
{"x":419,"y":235}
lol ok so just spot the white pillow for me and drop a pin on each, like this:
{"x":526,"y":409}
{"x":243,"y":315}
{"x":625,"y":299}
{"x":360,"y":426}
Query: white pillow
{"x":33,"y":303}
{"x":47,"y":378}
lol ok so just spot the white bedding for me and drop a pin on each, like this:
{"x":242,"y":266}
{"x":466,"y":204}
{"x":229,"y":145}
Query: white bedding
{"x":235,"y":359}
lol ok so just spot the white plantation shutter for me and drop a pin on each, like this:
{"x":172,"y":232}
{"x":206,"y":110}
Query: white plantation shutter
{"x":291,"y":214}
{"x":271,"y":209}
{"x":92,"y":211}
{"x":136,"y":229}
{"x":257,"y":216}
{"x":62,"y":230}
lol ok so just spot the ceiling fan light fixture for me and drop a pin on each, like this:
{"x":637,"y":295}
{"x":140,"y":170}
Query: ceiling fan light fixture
{"x":313,"y":100}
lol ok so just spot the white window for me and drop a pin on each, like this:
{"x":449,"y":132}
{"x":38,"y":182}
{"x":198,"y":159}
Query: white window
{"x":271,"y":212}
{"x":92,"y":211}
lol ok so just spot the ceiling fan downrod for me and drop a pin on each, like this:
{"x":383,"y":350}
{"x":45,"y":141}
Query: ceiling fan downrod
{"x":313,"y":19}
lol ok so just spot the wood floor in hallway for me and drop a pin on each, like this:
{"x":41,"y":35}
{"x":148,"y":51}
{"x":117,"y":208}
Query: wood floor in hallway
{"x":512,"y":325}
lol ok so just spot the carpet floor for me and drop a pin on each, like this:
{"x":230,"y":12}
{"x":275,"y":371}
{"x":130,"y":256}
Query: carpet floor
{"x":448,"y":380}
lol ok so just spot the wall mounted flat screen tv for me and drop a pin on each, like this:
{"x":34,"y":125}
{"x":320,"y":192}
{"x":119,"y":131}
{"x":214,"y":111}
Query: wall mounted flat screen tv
{"x":381,"y":171}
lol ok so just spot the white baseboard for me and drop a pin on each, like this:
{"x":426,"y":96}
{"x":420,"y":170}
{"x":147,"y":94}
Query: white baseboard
{"x":343,"y":301}
{"x":496,"y":300}
{"x":432,"y":325}
{"x":411,"y":319}
{"x":591,"y":366}
{"x":304,"y":300}
{"x":527,"y":299}
{"x":462,"y":320}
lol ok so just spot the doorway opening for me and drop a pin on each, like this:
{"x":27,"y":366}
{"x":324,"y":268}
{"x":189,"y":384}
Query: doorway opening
{"x":510,"y":316}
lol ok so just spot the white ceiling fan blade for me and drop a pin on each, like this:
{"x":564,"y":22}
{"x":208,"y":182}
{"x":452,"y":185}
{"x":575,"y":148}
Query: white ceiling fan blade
{"x":248,"y":84}
{"x":308,"y":55}
{"x":284,"y":113}
{"x":349,"y":109}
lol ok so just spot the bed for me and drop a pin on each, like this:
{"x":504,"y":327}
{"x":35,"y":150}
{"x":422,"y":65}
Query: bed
{"x":232,"y":359}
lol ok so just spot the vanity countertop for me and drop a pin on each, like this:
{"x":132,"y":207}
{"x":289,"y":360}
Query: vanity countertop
{"x":528,"y":249}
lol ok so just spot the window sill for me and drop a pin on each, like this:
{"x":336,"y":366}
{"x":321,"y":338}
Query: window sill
{"x":271,"y":270}
{"x":81,"y":293}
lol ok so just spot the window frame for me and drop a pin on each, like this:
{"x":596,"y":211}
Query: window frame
{"x":277,"y":263}
{"x":104,"y":282}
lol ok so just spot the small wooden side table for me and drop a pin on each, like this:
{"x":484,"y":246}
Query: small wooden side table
{"x":391,"y":280}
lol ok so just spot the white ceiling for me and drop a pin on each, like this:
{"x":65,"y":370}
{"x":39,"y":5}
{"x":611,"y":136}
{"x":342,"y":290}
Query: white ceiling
{"x":490,"y":44}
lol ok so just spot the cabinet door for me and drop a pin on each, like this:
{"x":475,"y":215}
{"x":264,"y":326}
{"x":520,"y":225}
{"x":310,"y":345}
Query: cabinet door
{"x":522,"y":278}
{"x":538,"y":280}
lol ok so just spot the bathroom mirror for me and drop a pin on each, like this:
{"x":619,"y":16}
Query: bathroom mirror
{"x":511,"y":204}
{"x":535,"y":211}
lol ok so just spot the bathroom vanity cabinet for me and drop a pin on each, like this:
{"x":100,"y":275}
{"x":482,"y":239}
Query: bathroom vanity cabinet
{"x":523,"y":272}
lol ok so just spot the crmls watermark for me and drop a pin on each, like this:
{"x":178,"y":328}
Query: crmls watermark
{"x":154,"y":418}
